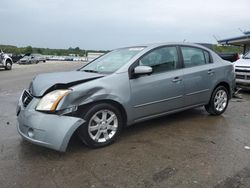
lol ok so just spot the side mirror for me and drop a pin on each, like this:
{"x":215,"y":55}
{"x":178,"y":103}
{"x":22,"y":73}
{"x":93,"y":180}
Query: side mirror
{"x":142,"y":70}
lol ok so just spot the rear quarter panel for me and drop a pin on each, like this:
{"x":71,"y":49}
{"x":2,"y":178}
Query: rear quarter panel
{"x":224,"y":72}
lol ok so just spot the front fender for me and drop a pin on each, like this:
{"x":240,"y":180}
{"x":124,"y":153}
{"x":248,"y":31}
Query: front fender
{"x":7,"y":59}
{"x":114,"y":87}
{"x":94,"y":95}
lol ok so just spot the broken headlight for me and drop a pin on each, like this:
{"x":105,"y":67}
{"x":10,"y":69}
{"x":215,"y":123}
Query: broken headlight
{"x":50,"y":101}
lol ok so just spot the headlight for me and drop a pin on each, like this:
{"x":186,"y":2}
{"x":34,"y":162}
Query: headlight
{"x":50,"y":101}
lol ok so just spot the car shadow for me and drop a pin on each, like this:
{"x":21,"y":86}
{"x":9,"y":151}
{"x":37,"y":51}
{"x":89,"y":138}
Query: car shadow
{"x":75,"y":143}
{"x":168,"y":120}
{"x":245,"y":91}
{"x":2,"y":70}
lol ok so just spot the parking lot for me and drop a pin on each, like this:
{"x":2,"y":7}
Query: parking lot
{"x":187,"y":149}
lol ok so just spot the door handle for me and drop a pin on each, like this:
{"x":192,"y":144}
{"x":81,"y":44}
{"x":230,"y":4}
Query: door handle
{"x":210,"y":71}
{"x":177,"y":79}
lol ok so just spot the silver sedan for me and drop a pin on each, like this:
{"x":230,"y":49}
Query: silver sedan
{"x":120,"y":88}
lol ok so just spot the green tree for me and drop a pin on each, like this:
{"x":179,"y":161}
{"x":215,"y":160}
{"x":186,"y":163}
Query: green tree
{"x":39,"y":50}
{"x":227,"y":48}
{"x":28,"y":50}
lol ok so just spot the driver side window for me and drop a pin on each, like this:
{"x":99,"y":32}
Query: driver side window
{"x":161,"y":60}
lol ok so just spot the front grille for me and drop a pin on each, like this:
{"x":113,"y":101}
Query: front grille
{"x":240,"y":70}
{"x":26,"y":98}
{"x":242,"y":66}
{"x":240,"y":76}
{"x":243,"y":77}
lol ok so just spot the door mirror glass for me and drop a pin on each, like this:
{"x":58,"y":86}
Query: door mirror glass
{"x":142,"y":70}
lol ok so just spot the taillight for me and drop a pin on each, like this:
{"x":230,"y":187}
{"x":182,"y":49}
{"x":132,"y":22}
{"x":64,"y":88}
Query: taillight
{"x":238,"y":56}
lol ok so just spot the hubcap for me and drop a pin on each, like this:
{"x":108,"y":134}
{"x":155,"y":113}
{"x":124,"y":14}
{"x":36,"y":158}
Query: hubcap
{"x":102,"y":126}
{"x":8,"y":65}
{"x":220,"y":100}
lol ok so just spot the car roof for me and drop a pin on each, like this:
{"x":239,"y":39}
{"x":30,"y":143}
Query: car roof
{"x":155,"y":45}
{"x":177,"y":43}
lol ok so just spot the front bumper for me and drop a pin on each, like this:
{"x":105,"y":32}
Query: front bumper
{"x":49,"y":130}
{"x":243,"y":83}
{"x":242,"y":77}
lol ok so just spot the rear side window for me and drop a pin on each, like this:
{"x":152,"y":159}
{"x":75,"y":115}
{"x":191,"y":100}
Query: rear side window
{"x":161,"y":59}
{"x":194,"y":56}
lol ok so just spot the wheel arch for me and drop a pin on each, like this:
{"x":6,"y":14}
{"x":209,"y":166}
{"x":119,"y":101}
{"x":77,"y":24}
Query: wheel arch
{"x":226,"y":85}
{"x":8,"y":60}
{"x":83,"y":108}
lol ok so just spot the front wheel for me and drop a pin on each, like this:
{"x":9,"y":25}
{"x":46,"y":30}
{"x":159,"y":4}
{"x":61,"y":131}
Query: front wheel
{"x":218,"y":102}
{"x":8,"y":65}
{"x":103,"y":125}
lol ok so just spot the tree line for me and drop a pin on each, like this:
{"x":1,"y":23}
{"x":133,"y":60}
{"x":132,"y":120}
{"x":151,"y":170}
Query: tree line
{"x":46,"y":51}
{"x":221,"y":49}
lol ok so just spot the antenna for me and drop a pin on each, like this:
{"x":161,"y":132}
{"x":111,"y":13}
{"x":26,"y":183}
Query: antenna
{"x":242,"y":31}
{"x":215,"y":38}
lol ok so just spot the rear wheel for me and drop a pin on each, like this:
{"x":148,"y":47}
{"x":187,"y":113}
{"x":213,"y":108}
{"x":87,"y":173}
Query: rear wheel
{"x":103,"y":125}
{"x":218,"y":102}
{"x":8,"y":65}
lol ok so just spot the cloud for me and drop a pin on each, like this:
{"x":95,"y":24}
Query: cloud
{"x":113,"y":23}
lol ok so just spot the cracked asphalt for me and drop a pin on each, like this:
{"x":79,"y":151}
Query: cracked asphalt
{"x":187,"y":149}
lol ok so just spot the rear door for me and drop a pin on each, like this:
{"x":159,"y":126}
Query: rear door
{"x":198,"y":75}
{"x":162,"y":90}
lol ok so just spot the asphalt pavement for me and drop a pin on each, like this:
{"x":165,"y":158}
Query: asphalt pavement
{"x":187,"y":149}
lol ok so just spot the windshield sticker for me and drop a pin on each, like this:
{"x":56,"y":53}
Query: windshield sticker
{"x":136,"y":49}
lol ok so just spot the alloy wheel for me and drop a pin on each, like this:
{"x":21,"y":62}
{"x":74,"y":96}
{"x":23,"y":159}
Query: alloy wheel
{"x":220,"y":100}
{"x":8,"y":66}
{"x":102,"y":126}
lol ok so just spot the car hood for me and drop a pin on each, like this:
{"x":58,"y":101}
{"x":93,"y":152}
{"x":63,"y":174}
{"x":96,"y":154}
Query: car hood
{"x":45,"y":83}
{"x":243,"y":62}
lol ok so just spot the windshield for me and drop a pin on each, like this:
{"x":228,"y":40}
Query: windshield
{"x":247,"y":56}
{"x":112,"y":61}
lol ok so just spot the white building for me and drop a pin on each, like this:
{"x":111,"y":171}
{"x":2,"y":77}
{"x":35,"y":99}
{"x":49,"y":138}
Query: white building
{"x":93,"y":55}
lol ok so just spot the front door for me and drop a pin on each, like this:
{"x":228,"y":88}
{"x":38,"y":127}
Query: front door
{"x":161,"y":91}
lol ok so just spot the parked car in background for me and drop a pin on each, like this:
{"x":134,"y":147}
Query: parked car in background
{"x":32,"y":59}
{"x":120,"y":88}
{"x":242,"y":71}
{"x":16,"y":57}
{"x":5,"y":61}
{"x":229,"y":56}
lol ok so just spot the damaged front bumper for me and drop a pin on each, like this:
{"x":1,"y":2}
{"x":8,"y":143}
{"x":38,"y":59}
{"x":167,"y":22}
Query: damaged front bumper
{"x":49,"y":130}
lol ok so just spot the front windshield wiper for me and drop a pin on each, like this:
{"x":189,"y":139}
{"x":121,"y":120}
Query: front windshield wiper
{"x":89,"y":70}
{"x":246,"y":57}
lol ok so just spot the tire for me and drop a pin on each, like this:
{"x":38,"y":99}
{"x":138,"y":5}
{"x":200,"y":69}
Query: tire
{"x":218,"y":102}
{"x":8,"y":65}
{"x":96,"y":131}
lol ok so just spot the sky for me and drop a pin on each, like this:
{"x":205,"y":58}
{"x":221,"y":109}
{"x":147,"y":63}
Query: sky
{"x":109,"y":24}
